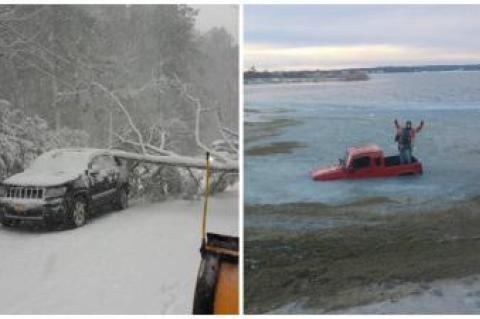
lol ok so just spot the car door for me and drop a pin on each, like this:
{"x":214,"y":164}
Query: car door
{"x":103,"y":176}
{"x":111,"y":178}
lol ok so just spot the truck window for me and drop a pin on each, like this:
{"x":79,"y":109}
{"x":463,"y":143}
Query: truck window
{"x":361,"y":162}
{"x":378,"y":161}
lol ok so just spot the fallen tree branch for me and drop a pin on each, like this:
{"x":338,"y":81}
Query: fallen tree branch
{"x":149,"y":146}
{"x":178,"y":160}
{"x":124,"y":110}
{"x":199,"y":106}
{"x":225,"y":137}
{"x":229,"y":131}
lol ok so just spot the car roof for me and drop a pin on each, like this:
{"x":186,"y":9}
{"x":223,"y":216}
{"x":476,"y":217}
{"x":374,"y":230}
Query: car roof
{"x":86,"y":152}
{"x":365,"y":150}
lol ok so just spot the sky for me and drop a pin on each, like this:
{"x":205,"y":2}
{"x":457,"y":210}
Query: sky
{"x":293,"y":37}
{"x":210,"y":16}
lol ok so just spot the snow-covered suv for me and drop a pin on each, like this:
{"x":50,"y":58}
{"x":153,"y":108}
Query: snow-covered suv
{"x":64,"y":186}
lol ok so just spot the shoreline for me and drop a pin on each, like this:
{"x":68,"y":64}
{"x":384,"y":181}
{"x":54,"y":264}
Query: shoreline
{"x":383,"y":257}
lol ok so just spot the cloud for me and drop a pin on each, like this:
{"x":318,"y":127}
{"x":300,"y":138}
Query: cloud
{"x":329,"y":36}
{"x":272,"y":57}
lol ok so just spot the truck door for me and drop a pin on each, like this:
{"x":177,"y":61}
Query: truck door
{"x":377,"y":166}
{"x":361,"y":167}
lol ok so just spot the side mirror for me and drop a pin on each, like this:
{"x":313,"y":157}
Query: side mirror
{"x":93,"y":171}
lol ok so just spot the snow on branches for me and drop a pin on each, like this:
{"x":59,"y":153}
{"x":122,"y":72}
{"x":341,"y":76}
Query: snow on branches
{"x":23,"y":138}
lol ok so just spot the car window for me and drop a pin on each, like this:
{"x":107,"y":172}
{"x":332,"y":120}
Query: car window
{"x":103,"y":162}
{"x":361,"y":162}
{"x":109,"y":162}
{"x":118,"y":162}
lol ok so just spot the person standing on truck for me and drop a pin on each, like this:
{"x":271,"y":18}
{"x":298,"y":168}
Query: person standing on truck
{"x":405,"y":136}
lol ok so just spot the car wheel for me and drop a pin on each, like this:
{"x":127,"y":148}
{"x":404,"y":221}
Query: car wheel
{"x":79,"y":212}
{"x":6,"y":223}
{"x":122,"y":199}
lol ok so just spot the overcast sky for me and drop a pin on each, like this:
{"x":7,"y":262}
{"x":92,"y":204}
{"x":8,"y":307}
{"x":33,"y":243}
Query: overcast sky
{"x":330,"y":36}
{"x":210,"y":16}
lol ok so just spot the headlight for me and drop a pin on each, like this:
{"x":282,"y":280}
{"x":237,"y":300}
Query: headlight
{"x":55,"y":191}
{"x":3,"y":191}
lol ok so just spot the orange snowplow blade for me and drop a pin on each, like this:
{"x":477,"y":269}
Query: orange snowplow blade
{"x":226,"y":294}
{"x":217,"y":290}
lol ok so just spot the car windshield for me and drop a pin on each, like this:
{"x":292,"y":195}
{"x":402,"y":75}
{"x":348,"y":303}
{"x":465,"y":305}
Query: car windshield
{"x":60,"y":161}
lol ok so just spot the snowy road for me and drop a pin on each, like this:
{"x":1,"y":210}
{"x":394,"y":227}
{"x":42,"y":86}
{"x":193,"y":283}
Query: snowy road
{"x":142,"y":260}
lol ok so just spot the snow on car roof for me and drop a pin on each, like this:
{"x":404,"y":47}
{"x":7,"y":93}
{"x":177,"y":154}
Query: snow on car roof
{"x":67,"y":158}
{"x":56,"y":167}
{"x":86,"y":151}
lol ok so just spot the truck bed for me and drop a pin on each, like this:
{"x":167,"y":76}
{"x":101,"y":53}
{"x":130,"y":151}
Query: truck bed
{"x":394,"y":160}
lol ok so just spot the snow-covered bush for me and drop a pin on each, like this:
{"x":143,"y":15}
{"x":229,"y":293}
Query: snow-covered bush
{"x":24,"y":137}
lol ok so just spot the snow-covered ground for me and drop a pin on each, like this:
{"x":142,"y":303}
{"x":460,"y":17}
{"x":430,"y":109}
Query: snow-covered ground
{"x":452,"y":296}
{"x":447,"y":297}
{"x":143,"y":260}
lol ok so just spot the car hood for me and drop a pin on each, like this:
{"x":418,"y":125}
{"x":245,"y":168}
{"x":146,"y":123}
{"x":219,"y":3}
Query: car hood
{"x":327,"y":173}
{"x":35,"y":178}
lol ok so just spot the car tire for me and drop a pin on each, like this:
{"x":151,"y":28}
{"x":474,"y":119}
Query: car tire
{"x":122,"y":199}
{"x":79,"y":212}
{"x":6,"y":223}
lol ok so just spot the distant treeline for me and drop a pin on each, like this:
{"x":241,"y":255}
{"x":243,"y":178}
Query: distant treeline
{"x":357,"y":74}
{"x":422,"y":68}
{"x":253,"y":76}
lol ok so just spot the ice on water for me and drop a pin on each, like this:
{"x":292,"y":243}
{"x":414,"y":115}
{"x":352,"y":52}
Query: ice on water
{"x":336,"y":115}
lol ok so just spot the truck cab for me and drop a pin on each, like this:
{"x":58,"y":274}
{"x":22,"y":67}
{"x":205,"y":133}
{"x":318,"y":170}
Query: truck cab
{"x":367,"y":162}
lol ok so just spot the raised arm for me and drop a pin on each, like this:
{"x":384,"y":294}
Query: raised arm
{"x":419,"y":128}
{"x":397,"y":126}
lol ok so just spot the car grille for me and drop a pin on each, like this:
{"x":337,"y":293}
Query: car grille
{"x":25,"y":192}
{"x":27,"y":213}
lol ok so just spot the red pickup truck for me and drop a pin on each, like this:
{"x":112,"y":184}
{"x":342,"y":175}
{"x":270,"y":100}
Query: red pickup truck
{"x":367,"y":162}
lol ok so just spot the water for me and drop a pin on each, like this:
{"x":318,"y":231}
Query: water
{"x":333,"y":116}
